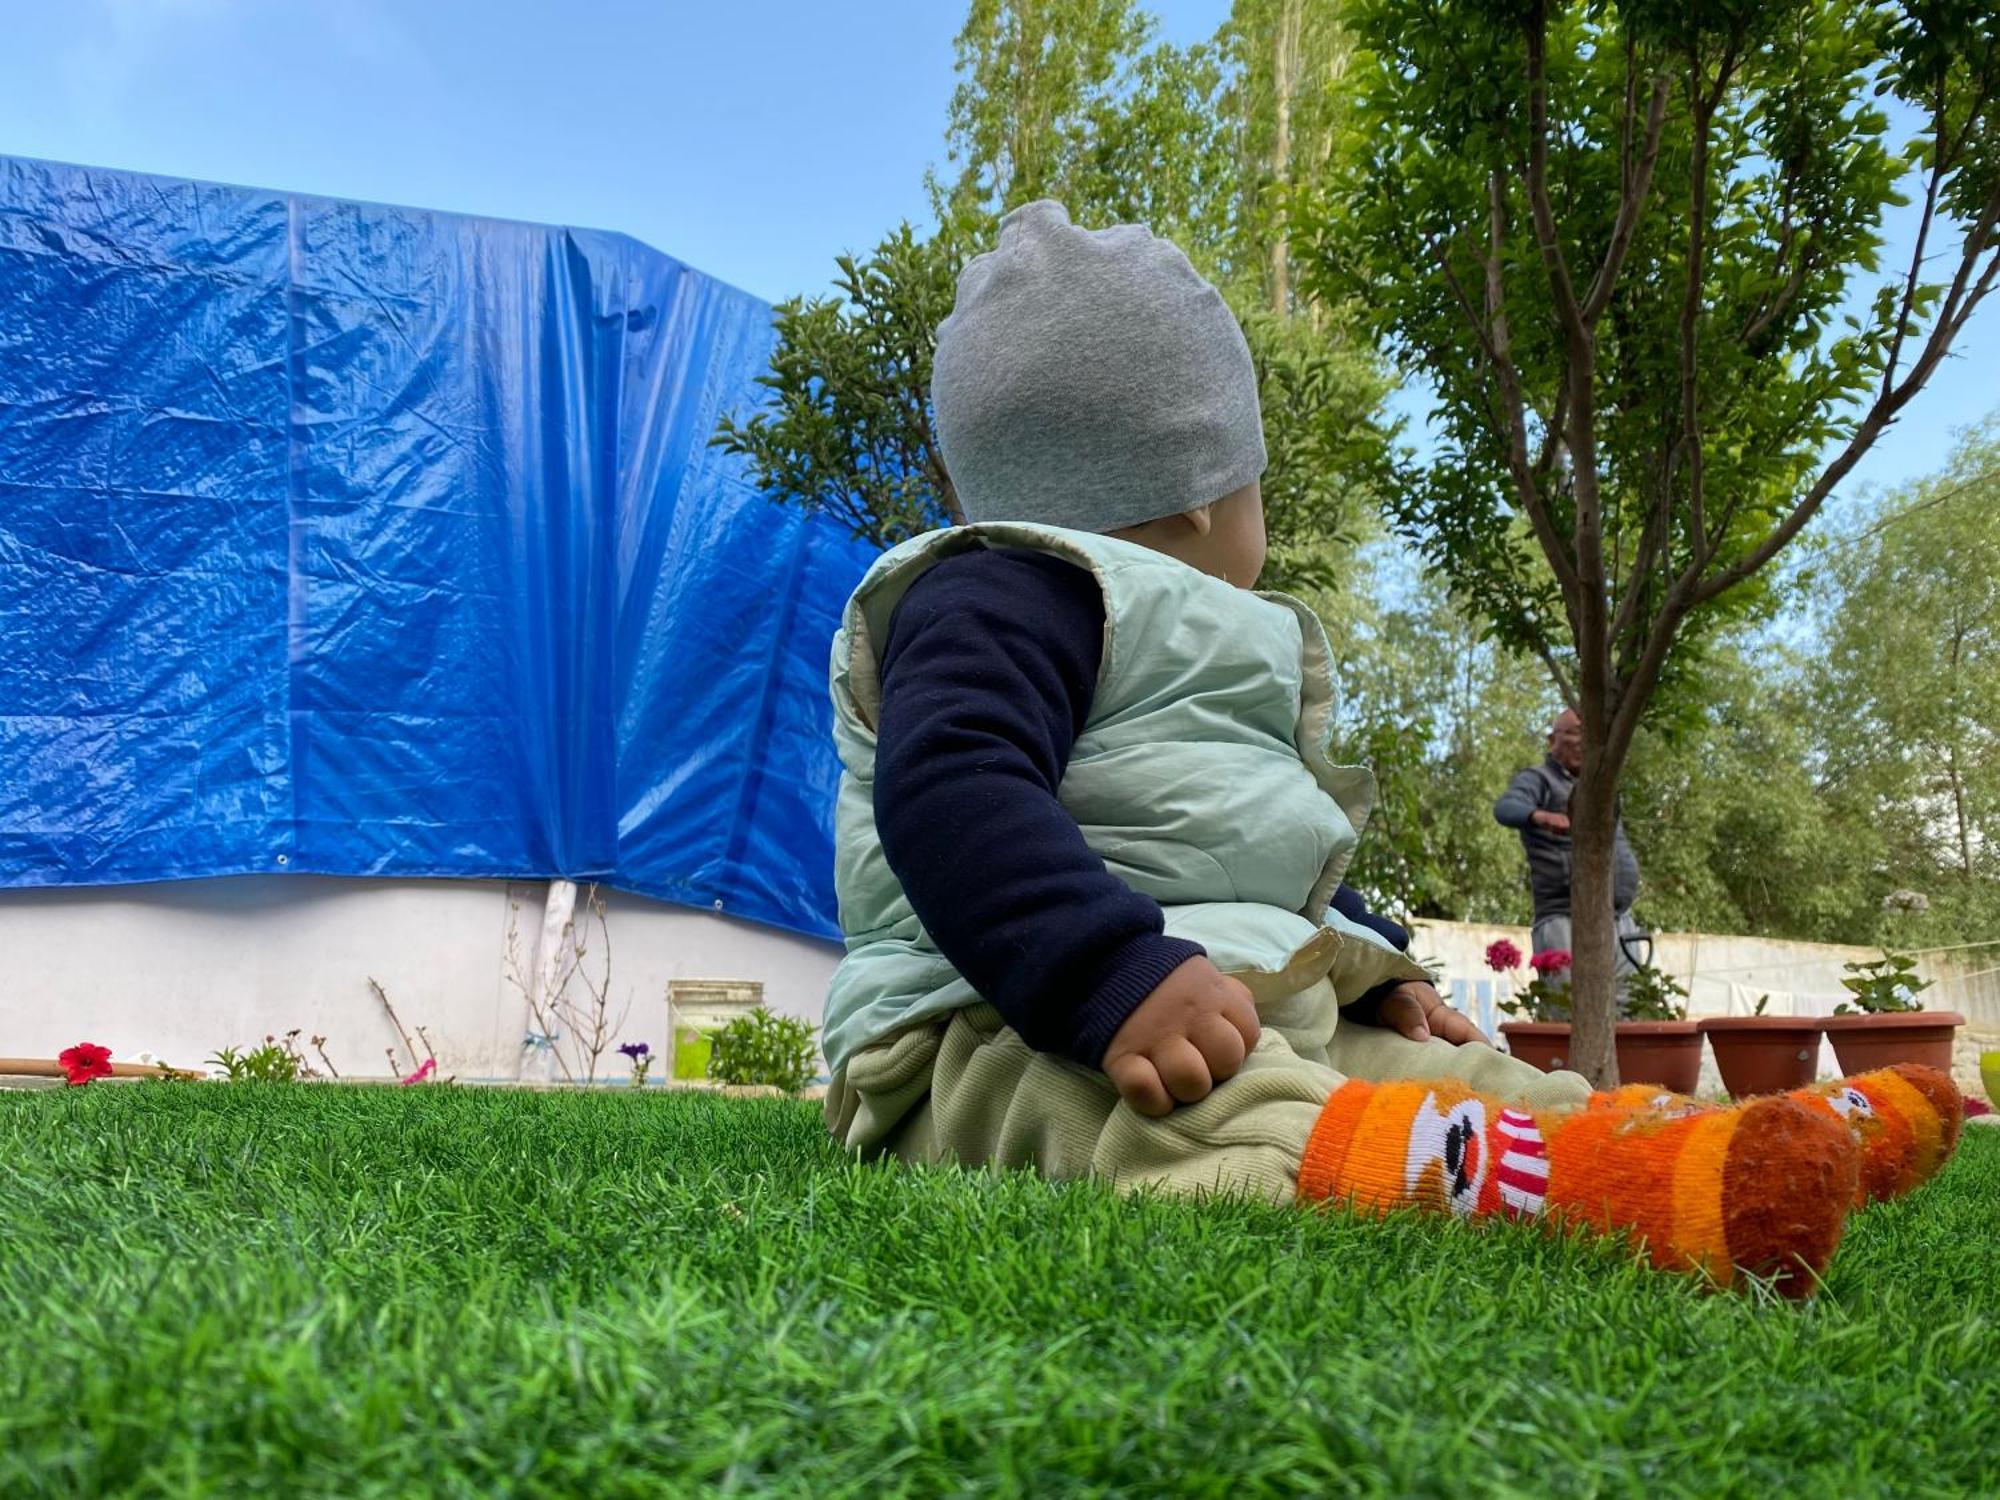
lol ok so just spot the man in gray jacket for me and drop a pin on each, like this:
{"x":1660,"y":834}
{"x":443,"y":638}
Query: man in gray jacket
{"x":1537,"y":803}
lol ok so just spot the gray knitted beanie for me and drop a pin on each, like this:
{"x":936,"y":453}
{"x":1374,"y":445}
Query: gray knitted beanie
{"x":1091,"y":379}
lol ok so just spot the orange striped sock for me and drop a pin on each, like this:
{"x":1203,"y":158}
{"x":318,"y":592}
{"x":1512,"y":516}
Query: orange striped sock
{"x":1763,"y":1187}
{"x":1905,"y":1118}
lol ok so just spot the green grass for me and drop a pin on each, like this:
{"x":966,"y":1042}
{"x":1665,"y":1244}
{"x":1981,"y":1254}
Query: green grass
{"x":339,"y":1291}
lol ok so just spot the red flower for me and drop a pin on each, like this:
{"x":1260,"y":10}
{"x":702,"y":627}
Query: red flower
{"x":1502,"y":956}
{"x":85,"y":1061}
{"x":1550,"y":961}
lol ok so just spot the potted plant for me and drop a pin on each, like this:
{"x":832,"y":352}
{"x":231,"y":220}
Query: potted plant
{"x":1886,"y":1024}
{"x":1657,"y":1044}
{"x":1542,"y":1038}
{"x":1656,"y":1041}
{"x":1760,"y":1054}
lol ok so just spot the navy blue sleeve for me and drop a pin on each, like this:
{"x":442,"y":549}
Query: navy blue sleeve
{"x":1347,"y":901}
{"x":987,"y":679}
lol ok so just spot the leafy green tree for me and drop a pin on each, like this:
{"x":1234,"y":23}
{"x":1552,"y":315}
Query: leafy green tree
{"x":1732,"y":825}
{"x":1445,"y":717}
{"x":1285,"y":102}
{"x":1907,"y":690}
{"x":1071,"y":98}
{"x":1037,"y":79}
{"x":1618,"y":239}
{"x":847,"y":431}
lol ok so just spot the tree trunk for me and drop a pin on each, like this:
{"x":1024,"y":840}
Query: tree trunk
{"x":1951,"y":762}
{"x":1284,"y":82}
{"x":1593,"y":822}
{"x":1958,"y":806}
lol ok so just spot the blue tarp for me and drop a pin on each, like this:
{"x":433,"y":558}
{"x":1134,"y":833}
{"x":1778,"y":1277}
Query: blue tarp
{"x":354,"y":540}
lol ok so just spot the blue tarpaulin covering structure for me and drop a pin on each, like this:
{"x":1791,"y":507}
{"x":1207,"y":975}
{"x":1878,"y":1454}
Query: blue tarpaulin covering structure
{"x":345,"y":539}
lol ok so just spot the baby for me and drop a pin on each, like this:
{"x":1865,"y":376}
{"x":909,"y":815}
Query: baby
{"x":1090,"y":842}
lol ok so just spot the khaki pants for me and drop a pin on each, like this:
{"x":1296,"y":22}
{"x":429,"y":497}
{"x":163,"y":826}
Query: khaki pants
{"x":965,"y":1088}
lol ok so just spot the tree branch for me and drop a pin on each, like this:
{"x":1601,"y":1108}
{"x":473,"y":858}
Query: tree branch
{"x":1755,"y":328}
{"x":1939,"y":154}
{"x":1494,"y":340}
{"x":1638,"y":687}
{"x":1959,"y":306}
{"x":1631,"y":201}
{"x":1587,"y":607}
{"x":1690,"y":328}
{"x":1568,"y":312}
{"x":1564,"y":683}
{"x":1651,"y":538}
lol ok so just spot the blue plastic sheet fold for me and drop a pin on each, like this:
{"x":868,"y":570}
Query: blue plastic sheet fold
{"x":354,"y":540}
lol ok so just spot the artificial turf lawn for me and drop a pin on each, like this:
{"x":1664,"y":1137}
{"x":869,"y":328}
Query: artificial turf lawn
{"x":300,"y":1290}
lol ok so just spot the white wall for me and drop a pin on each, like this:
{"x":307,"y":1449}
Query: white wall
{"x":182,"y":969}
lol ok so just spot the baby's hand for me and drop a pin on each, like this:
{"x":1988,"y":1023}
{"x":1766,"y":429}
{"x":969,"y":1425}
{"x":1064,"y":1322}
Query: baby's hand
{"x":1192,"y":1032}
{"x":1419,"y":1013}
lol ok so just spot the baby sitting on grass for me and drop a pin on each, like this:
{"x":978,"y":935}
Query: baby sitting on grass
{"x":1090,"y":842}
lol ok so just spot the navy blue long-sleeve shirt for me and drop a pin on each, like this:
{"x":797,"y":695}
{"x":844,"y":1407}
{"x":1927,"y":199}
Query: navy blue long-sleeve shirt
{"x":988,"y":675}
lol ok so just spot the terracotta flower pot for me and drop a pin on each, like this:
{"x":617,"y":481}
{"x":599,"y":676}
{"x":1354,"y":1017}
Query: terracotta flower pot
{"x":1667,"y":1053}
{"x":1864,"y":1043}
{"x":1764,"y":1054}
{"x":1544,"y":1044}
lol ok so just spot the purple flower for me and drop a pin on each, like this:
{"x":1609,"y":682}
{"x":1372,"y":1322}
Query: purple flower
{"x":635,"y":1050}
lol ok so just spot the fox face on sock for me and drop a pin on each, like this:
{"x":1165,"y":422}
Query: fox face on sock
{"x":1449,"y":1157}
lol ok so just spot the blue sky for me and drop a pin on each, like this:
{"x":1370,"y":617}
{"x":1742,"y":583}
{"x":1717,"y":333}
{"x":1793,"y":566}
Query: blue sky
{"x":755,"y":139}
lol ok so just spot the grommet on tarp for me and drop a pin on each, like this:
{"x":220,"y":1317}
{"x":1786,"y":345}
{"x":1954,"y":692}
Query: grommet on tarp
{"x":284,"y":859}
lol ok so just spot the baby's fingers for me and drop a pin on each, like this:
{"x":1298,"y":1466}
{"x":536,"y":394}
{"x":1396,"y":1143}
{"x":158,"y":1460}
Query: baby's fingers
{"x":1138,"y":1084}
{"x":1456,"y":1028}
{"x":1221,"y":1046}
{"x":1403,"y":1012}
{"x":1183,"y":1069}
{"x":1240,"y":1011}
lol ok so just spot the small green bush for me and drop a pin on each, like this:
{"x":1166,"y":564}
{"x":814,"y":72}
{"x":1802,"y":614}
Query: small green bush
{"x":273,"y":1062}
{"x":1887,"y":985}
{"x":763,"y":1048}
{"x":1652,"y":996}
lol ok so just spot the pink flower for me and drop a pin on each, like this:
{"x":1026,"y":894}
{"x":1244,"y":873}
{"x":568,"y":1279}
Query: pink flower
{"x":429,"y":1067}
{"x":1550,"y":961}
{"x":1502,"y":956}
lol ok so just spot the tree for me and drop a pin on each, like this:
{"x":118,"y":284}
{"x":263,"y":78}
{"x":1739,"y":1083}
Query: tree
{"x":1067,"y":98}
{"x":1907,"y":688}
{"x":1445,"y":717}
{"x":1036,"y":79}
{"x":1733,"y":826}
{"x":1286,"y":98}
{"x":1617,"y":237}
{"x":847,"y":431}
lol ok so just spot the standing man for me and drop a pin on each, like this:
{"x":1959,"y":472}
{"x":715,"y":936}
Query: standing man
{"x":1537,"y":803}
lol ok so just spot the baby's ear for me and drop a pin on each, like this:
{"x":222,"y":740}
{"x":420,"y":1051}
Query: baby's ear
{"x":1201,"y":518}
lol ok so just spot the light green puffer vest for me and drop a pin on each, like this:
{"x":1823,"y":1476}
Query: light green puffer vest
{"x":1201,"y":779}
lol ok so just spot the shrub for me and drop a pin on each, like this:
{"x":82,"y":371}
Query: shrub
{"x":763,"y":1048}
{"x":1888,"y":984}
{"x":1652,"y":996}
{"x":278,"y":1060}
